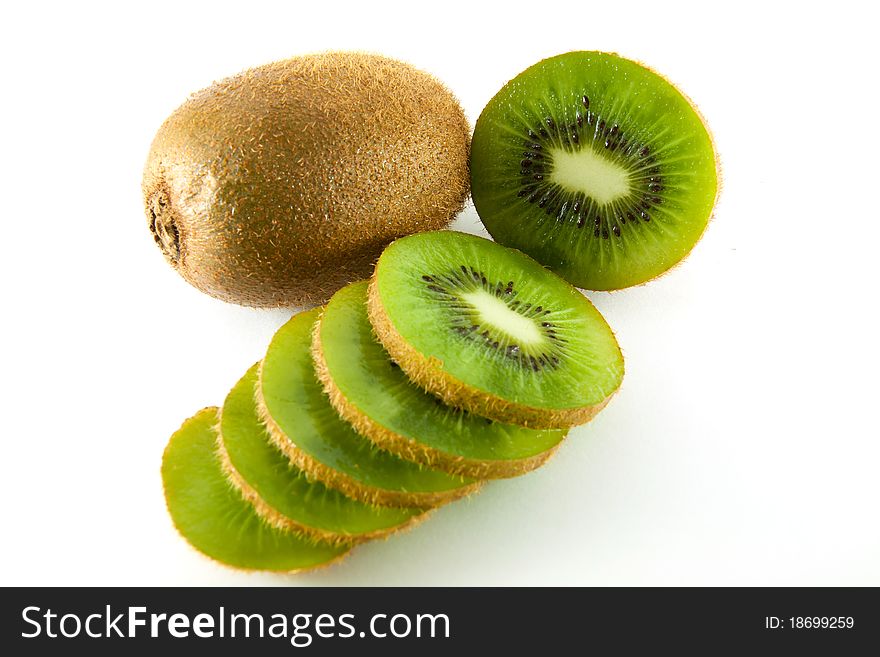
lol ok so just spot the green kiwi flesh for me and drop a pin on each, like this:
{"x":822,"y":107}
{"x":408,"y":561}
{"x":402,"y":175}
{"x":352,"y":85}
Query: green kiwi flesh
{"x":279,"y":185}
{"x":488,"y":329}
{"x":285,"y":495}
{"x":371,"y":391}
{"x":597,"y":167}
{"x":213,"y":517}
{"x":306,"y":427}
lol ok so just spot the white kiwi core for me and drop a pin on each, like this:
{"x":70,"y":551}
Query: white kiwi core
{"x":496,"y":313}
{"x":589,"y":173}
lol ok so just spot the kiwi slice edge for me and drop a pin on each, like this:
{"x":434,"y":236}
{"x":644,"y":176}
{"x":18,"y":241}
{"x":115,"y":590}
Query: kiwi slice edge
{"x":213,"y":518}
{"x":271,"y":489}
{"x":346,"y":316}
{"x":333,"y":477}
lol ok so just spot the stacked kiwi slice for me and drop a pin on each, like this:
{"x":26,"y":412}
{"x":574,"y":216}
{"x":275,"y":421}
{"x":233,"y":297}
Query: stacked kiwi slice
{"x":459,"y":361}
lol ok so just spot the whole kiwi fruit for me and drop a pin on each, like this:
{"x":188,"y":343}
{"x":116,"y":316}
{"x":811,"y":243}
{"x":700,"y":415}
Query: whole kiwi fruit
{"x":279,"y":185}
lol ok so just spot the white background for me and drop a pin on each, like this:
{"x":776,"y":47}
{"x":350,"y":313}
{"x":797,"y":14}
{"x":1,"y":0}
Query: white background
{"x":743,"y":446}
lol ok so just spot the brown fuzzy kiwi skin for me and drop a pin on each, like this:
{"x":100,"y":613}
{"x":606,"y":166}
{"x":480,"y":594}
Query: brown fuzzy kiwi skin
{"x":278,"y":520}
{"x":342,"y":482}
{"x":241,"y":569}
{"x":427,"y":372}
{"x":409,"y":449}
{"x":279,"y":185}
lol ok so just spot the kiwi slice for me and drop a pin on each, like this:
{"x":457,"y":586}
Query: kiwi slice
{"x":488,"y":329}
{"x":597,"y":167}
{"x":280,"y":492}
{"x":378,"y":399}
{"x":213,"y":517}
{"x":305,"y":426}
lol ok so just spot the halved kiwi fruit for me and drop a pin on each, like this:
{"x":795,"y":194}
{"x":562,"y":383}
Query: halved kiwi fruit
{"x":597,"y":167}
{"x":214,"y":518}
{"x":371,"y":392}
{"x":488,"y":329}
{"x":305,"y":426}
{"x":280,"y":492}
